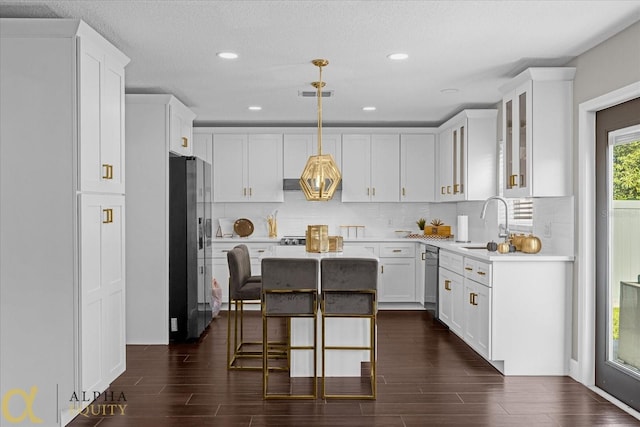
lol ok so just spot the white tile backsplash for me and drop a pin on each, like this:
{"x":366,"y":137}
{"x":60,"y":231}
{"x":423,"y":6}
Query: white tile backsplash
{"x":553,"y":218}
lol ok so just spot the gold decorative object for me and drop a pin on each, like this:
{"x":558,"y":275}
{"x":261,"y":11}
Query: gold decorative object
{"x":531,"y":244}
{"x":273,"y":226}
{"x":317,"y":238}
{"x":321,"y":175}
{"x":336,"y":243}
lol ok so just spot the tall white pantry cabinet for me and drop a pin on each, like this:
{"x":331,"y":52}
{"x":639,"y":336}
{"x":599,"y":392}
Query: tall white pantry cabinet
{"x":62,"y":268}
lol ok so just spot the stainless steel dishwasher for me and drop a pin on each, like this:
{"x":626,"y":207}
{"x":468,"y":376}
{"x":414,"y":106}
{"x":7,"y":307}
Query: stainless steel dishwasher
{"x":431,"y":279}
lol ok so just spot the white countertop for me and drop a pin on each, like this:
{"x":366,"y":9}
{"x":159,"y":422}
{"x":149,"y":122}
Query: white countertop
{"x":300,"y":252}
{"x":450,"y":245}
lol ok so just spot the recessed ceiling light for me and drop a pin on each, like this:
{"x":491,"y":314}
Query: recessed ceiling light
{"x":450,"y":90}
{"x":227,"y":55}
{"x":397,"y":56}
{"x":255,"y":108}
{"x":368,"y":108}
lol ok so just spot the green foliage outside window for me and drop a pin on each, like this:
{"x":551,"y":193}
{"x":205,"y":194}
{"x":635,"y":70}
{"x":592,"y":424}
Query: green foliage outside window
{"x":626,"y":171}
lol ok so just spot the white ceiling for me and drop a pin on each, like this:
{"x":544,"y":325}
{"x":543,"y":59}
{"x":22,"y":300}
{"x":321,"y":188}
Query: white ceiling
{"x":472,"y":46}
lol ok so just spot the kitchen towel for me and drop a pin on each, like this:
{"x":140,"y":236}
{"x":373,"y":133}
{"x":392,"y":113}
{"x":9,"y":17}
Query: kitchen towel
{"x":463,"y":228}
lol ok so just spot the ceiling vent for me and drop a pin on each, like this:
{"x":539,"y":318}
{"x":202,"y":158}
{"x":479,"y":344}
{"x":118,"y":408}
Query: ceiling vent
{"x":313,"y":93}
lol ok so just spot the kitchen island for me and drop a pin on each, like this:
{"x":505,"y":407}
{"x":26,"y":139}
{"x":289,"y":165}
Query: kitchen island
{"x":339,"y":331}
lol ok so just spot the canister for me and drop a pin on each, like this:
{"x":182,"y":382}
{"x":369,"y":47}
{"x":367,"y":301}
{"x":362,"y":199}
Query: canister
{"x":317,"y":238}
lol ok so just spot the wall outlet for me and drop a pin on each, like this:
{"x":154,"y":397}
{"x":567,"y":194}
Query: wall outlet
{"x":547,"y":229}
{"x":390,"y":221}
{"x":174,"y":324}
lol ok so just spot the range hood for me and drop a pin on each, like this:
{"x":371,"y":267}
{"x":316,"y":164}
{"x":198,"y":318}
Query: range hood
{"x":293,"y":184}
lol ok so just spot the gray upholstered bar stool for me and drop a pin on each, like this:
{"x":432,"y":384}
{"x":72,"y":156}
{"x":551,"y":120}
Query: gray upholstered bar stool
{"x":289,"y":290}
{"x":243,"y":289}
{"x":349,"y":287}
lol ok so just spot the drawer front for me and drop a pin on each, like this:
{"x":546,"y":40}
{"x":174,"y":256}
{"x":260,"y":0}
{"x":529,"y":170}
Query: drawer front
{"x":477,"y":271}
{"x":401,"y":250}
{"x":220,"y":249}
{"x":451,"y":261}
{"x":255,"y":249}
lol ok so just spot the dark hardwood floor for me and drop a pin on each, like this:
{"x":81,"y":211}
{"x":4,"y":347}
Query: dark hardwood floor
{"x":426,"y":377}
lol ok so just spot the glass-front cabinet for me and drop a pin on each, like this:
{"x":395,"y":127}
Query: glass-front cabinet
{"x":537,"y":120}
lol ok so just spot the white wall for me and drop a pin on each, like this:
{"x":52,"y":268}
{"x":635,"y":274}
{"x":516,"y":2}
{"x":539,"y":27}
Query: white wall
{"x":613,"y":64}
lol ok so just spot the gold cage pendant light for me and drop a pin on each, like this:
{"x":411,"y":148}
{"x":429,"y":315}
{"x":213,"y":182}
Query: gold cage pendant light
{"x":321,"y":175}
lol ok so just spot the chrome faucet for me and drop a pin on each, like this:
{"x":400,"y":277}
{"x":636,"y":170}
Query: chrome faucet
{"x":505,"y":235}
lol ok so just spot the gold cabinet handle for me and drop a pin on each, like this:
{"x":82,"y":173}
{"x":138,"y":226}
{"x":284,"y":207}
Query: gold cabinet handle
{"x":368,"y":191}
{"x":447,"y":285}
{"x":468,"y":268}
{"x":382,"y":269}
{"x":455,"y":188}
{"x":397,"y":250}
{"x":250,"y":191}
{"x":374,"y":191}
{"x":512,"y":180}
{"x":448,"y":189}
{"x":244,"y":191}
{"x":403,"y":192}
{"x":108,"y":218}
{"x":260,"y":250}
{"x":424,"y":256}
{"x":185,"y":141}
{"x":470,"y":298}
{"x":482,"y":273}
{"x":442,"y":190}
{"x":108,"y":171}
{"x":473,"y":299}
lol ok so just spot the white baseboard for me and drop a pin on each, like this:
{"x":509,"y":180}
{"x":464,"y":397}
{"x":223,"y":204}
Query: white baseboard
{"x":573,"y":370}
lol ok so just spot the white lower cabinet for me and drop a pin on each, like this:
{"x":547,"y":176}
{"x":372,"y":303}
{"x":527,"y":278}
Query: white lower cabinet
{"x":451,"y":309}
{"x":477,"y":306}
{"x":397,"y":278}
{"x":512,"y":313}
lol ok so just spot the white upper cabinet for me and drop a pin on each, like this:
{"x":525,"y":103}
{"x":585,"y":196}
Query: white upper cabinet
{"x":298,"y":148}
{"x":180,"y":129}
{"x":537,"y":120}
{"x":417,"y":167}
{"x":101,"y":105}
{"x":467,"y":150}
{"x":203,"y":146}
{"x":247,"y":168}
{"x":370,"y":168}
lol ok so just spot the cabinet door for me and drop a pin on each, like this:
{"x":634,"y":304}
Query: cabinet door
{"x":477,"y":317}
{"x":264,"y":168}
{"x":397,"y":280}
{"x":202,"y":146}
{"x":445,"y":165}
{"x":517,"y":115}
{"x":297,"y":149}
{"x":459,"y":162}
{"x":356,"y":168}
{"x":445,"y":293}
{"x":229,"y":182}
{"x":102,"y":283}
{"x":385,"y":168}
{"x":101,"y":104}
{"x":417,"y":168}
{"x":180,"y":132}
{"x":457,"y":304}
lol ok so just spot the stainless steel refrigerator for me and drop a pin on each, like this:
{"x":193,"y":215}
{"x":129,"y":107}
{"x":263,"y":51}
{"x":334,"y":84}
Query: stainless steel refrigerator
{"x":190,"y":263}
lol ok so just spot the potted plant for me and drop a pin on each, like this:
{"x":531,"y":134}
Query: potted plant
{"x":421,"y":223}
